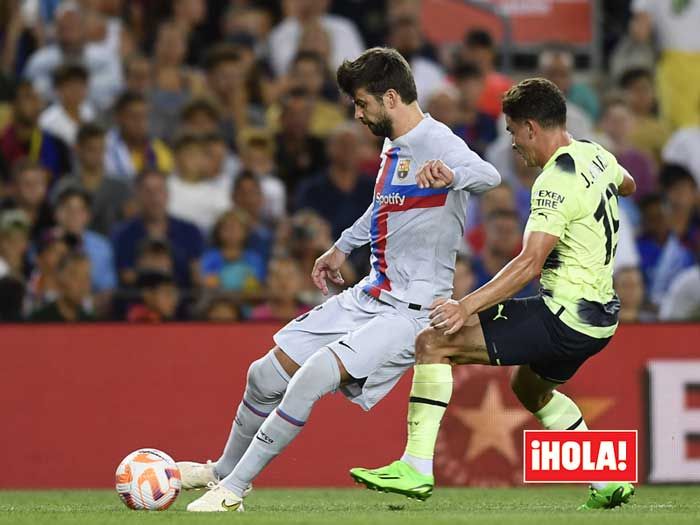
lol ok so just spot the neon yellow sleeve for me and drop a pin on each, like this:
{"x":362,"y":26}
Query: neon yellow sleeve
{"x":553,"y":202}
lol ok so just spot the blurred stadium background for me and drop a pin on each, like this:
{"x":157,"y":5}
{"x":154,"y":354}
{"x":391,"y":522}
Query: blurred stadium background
{"x":169,"y":171}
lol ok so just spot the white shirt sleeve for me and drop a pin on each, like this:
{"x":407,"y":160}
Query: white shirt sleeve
{"x":471,"y":172}
{"x":682,"y":302}
{"x":356,"y":235}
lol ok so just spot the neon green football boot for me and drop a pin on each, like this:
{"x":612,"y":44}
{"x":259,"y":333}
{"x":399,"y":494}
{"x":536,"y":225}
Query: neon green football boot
{"x":613,"y":495}
{"x":398,"y":478}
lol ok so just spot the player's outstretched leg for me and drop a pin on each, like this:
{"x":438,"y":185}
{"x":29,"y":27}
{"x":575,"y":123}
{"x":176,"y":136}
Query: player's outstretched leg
{"x":412,"y":475}
{"x":555,"y":411}
{"x":320,"y":375}
{"x":266,"y":383}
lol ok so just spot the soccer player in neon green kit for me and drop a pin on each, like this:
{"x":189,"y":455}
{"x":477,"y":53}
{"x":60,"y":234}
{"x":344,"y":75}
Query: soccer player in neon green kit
{"x":570,"y":239}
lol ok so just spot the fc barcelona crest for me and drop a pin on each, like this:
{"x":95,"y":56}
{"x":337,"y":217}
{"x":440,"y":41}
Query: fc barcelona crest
{"x":402,"y":170}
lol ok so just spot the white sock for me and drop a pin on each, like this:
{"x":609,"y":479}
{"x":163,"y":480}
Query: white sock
{"x":317,"y":377}
{"x":267,"y":382}
{"x":424,"y":466}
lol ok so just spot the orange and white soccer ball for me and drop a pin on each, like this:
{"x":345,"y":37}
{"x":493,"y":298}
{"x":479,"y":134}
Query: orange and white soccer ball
{"x":148,"y":479}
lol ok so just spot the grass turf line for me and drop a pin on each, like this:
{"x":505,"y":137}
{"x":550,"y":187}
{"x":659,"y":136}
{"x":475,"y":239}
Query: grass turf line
{"x":537,"y":506}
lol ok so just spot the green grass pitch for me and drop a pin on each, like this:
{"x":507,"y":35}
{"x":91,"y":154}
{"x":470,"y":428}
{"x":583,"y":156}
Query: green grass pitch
{"x":669,"y":505}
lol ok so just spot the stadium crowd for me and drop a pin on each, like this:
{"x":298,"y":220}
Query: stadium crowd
{"x":190,"y":160}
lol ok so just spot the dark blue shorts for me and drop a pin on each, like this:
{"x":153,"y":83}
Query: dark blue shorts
{"x":525,"y":331}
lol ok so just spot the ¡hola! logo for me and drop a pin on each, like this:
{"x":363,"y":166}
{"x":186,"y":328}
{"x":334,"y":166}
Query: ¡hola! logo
{"x":566,"y":456}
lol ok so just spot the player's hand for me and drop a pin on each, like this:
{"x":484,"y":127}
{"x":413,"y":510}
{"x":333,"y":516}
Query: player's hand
{"x":434,"y":174}
{"x":327,"y":266}
{"x":448,"y":315}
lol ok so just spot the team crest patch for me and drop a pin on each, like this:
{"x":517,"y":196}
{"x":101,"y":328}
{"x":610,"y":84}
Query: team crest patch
{"x":402,"y":170}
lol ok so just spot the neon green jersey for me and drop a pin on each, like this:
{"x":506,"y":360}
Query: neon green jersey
{"x":575,"y":198}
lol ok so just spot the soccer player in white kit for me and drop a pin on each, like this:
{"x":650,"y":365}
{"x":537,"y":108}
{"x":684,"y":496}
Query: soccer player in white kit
{"x":361,"y":341}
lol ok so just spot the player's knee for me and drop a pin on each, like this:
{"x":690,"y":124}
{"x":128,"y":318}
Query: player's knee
{"x":259,"y":385}
{"x":427,"y":345}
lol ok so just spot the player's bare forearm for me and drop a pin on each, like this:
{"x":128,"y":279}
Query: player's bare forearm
{"x":628,"y":186}
{"x":512,"y":278}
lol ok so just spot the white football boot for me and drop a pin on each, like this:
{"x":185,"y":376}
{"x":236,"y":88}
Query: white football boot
{"x":198,"y":475}
{"x":217,"y":499}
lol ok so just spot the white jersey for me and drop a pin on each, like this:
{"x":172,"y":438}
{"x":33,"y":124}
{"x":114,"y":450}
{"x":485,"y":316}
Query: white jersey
{"x":414,"y":233}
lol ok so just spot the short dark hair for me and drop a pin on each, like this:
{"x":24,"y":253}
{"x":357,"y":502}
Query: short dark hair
{"x":310,"y":56}
{"x":73,"y":256}
{"x":244,"y":175}
{"x":199,"y":105}
{"x":89,"y":131}
{"x":71,"y":192}
{"x":141,"y":177}
{"x":672,"y":174}
{"x":152,"y":246}
{"x":630,"y":76}
{"x":479,"y":38}
{"x":26,"y":164}
{"x":536,"y":99}
{"x":70,"y":71}
{"x":467,"y":70}
{"x":377,"y":70}
{"x":220,"y":54}
{"x":126,"y":99}
{"x":186,"y":139}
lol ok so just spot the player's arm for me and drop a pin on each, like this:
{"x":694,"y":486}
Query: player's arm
{"x":627,"y":186}
{"x":505,"y":284}
{"x":459,"y":169}
{"x":327,"y":266}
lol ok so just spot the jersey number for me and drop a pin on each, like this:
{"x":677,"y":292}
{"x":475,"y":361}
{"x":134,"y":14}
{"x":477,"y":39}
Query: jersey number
{"x":604,"y":214}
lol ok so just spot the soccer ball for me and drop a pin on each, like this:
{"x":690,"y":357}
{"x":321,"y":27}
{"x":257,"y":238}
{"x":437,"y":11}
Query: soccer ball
{"x":148,"y":479}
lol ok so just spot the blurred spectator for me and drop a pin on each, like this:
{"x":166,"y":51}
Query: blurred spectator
{"x":675,"y":26}
{"x":305,"y":238}
{"x":73,"y":280}
{"x":12,"y":293}
{"x":309,"y":73}
{"x":649,"y":132}
{"x":683,"y":198}
{"x":129,"y":149}
{"x":284,"y":287}
{"x":629,"y":286}
{"x":345,"y":40}
{"x":173,"y":83}
{"x":682,"y":302}
{"x":616,"y":122}
{"x":499,"y":198}
{"x":405,"y":35}
{"x":63,"y":118}
{"x":154,"y":254}
{"x":220,"y":166}
{"x":189,"y":16}
{"x":154,"y":222}
{"x":109,"y":196}
{"x":138,"y":74}
{"x":477,"y":129}
{"x":159,"y":296}
{"x":662,"y":255}
{"x":200,"y":116}
{"x":23,"y":138}
{"x":684,"y":149}
{"x":248,"y":196}
{"x":633,"y":50}
{"x":299,"y":152}
{"x":340,"y":194}
{"x":514,"y":171}
{"x":28,"y":192}
{"x":230,"y":265}
{"x":73,"y":216}
{"x":480,"y":48}
{"x":193,"y":196}
{"x":43,"y":287}
{"x":257,"y":150}
{"x":501,"y":243}
{"x":14,"y":242}
{"x":220,"y":309}
{"x":464,"y":278}
{"x":227,"y":78}
{"x":102,"y":64}
{"x":557,"y":64}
